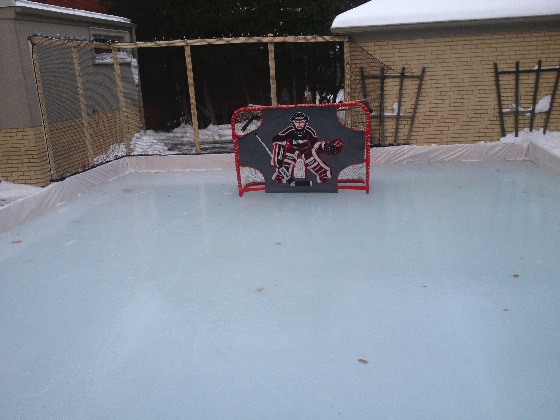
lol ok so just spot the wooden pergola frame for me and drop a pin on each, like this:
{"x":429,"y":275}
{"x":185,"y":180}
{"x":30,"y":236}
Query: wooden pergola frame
{"x":269,"y":40}
{"x":188,"y":43}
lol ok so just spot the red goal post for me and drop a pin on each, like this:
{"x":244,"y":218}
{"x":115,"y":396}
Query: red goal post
{"x":302,"y":148}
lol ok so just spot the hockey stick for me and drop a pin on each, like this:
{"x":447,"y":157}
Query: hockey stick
{"x":289,"y":179}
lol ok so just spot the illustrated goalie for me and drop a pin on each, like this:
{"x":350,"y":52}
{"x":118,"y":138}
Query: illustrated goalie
{"x":296,"y":150}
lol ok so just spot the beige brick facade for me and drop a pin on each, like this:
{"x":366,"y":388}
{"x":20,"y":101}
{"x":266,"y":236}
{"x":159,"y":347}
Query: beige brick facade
{"x":23,"y":151}
{"x":23,"y":156}
{"x":459,"y":99}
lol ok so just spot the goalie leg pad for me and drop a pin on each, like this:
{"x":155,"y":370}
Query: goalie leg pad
{"x":317,"y":166}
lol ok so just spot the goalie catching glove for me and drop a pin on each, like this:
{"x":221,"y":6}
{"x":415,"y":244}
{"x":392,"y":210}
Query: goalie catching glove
{"x":333,"y":147}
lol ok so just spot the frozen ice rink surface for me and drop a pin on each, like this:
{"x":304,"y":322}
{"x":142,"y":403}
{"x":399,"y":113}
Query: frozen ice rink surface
{"x":166,"y":295}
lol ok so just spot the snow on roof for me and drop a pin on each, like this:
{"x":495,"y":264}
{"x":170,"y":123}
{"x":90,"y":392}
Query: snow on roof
{"x":376,"y":13}
{"x":64,"y":10}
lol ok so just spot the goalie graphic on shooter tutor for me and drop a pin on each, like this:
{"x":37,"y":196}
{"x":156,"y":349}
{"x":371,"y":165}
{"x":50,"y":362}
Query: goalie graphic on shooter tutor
{"x":296,"y":150}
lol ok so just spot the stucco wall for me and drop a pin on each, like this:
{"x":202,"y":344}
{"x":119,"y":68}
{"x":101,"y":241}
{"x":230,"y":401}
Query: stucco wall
{"x":459,"y":99}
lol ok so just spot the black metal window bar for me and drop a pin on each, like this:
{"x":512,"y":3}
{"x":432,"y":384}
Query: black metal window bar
{"x":382,"y":115}
{"x":516,"y":111}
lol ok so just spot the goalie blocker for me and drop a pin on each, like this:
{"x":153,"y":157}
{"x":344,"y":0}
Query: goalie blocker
{"x":302,"y":148}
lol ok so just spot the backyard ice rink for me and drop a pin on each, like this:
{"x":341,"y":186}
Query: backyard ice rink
{"x":166,"y":295}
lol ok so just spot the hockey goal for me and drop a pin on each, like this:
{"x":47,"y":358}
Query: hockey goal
{"x":302,"y":148}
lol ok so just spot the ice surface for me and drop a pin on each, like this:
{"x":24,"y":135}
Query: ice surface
{"x":165,"y":295}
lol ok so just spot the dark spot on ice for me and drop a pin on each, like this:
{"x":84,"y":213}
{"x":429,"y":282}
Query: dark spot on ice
{"x":515,"y":276}
{"x":278,"y":243}
{"x":363,"y":361}
{"x":259,"y":289}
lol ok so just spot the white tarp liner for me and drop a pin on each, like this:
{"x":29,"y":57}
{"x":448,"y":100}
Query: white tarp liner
{"x":57,"y":193}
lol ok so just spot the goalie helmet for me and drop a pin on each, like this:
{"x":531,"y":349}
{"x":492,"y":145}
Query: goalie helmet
{"x":299,"y":120}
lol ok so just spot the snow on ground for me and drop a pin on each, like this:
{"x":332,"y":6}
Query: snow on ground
{"x":549,"y":141}
{"x":214,"y":138}
{"x":12,"y":192}
{"x":217,"y":139}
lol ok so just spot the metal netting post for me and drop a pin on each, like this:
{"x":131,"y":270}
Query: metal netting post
{"x":347,"y":70}
{"x":192,"y":95}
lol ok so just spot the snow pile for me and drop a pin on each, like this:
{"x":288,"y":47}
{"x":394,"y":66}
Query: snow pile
{"x":115,"y":151}
{"x":549,"y":141}
{"x":148,"y":143}
{"x":542,"y":106}
{"x":382,"y":13}
{"x":181,"y":140}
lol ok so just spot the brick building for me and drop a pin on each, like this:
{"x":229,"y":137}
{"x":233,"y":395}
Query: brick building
{"x":458,"y":44}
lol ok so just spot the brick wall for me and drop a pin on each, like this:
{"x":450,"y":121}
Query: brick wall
{"x":23,"y":156}
{"x":459,"y":100}
{"x":23,"y":151}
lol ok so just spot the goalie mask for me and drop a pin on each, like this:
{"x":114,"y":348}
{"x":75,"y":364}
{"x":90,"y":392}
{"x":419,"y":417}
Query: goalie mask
{"x":299,"y":121}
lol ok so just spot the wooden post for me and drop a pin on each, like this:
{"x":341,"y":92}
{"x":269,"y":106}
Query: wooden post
{"x":347,"y":70}
{"x":517,"y":99}
{"x":42,"y":108}
{"x":272,"y":70}
{"x":194,"y":114}
{"x":83,"y":108}
{"x":122,"y":106}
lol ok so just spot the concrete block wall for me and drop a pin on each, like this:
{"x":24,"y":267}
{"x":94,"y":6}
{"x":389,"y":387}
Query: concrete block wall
{"x":459,"y":99}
